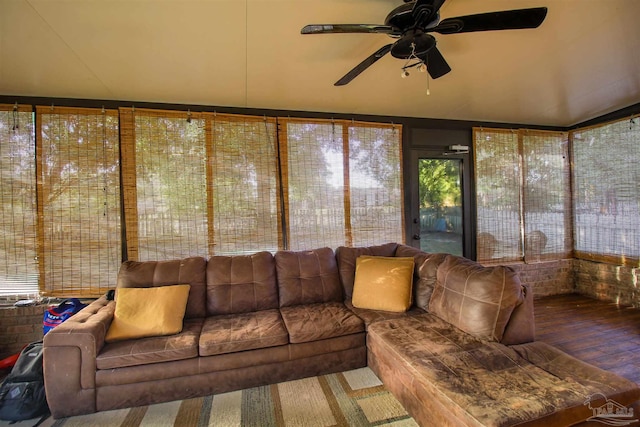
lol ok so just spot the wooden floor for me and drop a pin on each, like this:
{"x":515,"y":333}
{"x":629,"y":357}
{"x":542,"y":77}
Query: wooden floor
{"x":600,"y":333}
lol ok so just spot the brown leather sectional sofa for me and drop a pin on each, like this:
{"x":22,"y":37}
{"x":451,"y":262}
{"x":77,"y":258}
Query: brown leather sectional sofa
{"x":463,"y":354}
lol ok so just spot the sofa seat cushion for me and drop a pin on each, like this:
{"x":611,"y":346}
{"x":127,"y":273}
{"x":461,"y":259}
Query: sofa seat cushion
{"x":564,"y":366}
{"x":144,"y":351}
{"x":372,"y":316}
{"x":313,"y":322}
{"x":478,"y":382}
{"x":243,"y":331}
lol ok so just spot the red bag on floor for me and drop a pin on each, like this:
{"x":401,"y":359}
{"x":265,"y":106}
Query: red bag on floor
{"x":8,"y":362}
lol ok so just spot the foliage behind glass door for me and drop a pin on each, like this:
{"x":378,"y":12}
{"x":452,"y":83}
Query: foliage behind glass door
{"x":440,"y":198}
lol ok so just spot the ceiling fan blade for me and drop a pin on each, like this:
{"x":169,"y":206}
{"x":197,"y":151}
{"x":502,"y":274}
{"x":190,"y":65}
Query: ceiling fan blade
{"x":436,"y":64}
{"x":345,"y":28}
{"x":364,"y":65}
{"x":425,"y":11}
{"x":504,"y":20}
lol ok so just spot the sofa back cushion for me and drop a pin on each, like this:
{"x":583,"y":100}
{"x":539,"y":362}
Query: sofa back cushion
{"x":477,"y":299}
{"x":425,"y":273}
{"x":307,"y":277}
{"x":521,"y":328}
{"x":146,"y":274}
{"x":347,"y":257}
{"x":241,"y":283}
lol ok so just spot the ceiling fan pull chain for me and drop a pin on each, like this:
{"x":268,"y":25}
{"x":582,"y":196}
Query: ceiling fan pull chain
{"x":405,"y":73}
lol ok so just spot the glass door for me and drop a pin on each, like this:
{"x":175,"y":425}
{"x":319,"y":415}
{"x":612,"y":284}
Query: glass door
{"x":438,"y":223}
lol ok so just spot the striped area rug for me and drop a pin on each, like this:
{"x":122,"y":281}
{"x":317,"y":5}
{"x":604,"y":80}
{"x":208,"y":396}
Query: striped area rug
{"x":352,"y":398}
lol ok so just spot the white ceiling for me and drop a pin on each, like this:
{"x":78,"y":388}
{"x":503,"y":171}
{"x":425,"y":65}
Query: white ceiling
{"x":581,"y":63}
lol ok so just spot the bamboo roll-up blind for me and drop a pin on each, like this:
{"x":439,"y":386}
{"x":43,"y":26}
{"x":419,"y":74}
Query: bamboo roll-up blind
{"x":498,"y":202}
{"x":375,"y":183}
{"x":18,"y":256}
{"x":128,"y":176}
{"x":546,"y":195}
{"x":165,"y":177}
{"x":606,"y":194}
{"x":78,"y":200}
{"x":312,"y":162}
{"x":342,"y":183}
{"x":243,"y":183}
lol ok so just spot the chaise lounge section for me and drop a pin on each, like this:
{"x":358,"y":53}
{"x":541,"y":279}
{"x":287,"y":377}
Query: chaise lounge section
{"x":462,"y":353}
{"x":471,"y":358}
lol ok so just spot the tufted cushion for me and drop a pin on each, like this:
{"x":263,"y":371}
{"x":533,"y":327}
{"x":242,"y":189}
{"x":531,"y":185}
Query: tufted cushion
{"x":307,"y":277}
{"x":241,"y":283}
{"x":479,"y":300}
{"x":239,"y":332}
{"x":425,"y":273}
{"x":372,"y":316}
{"x":383,"y":283}
{"x":314,"y":322}
{"x":152,"y":350}
{"x":146,"y":274}
{"x":346,"y":258}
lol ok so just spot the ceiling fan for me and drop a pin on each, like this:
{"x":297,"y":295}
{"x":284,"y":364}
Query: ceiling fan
{"x":411,"y":24}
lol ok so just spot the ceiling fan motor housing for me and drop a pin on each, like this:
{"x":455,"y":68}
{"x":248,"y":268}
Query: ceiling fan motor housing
{"x":412,"y":44}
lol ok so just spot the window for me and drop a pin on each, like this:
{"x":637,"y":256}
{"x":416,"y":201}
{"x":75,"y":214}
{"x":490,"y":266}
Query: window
{"x":164,"y":169}
{"x":498,"y":202}
{"x":314,"y":184}
{"x":243,"y":184}
{"x":522,"y":195}
{"x":91,"y":187}
{"x":78,"y":200}
{"x":18,"y":261}
{"x":546,"y":195}
{"x":606,"y":200}
{"x":341,"y":183}
{"x":375,"y":184}
{"x":199,"y":184}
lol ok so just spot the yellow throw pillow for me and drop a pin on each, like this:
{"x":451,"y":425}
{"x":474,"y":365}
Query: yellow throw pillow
{"x":148,"y":312}
{"x":383,"y":283}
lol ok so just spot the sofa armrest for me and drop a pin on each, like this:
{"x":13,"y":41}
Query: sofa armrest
{"x":70,"y":351}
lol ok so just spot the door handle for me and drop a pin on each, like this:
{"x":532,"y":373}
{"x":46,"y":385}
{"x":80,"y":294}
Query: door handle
{"x":416,"y":237}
